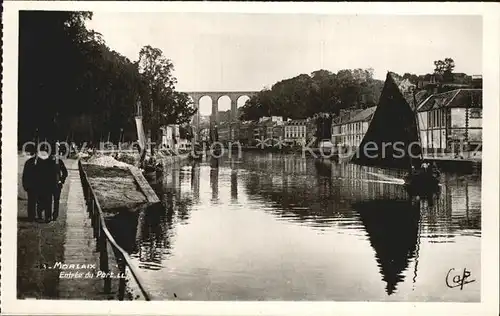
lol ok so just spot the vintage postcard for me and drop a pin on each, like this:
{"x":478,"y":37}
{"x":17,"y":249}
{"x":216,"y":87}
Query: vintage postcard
{"x":202,"y":158}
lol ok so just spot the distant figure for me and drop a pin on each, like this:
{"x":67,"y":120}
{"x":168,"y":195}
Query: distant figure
{"x":29,"y":184}
{"x":60,"y":173}
{"x":435,"y":169}
{"x":425,"y":166}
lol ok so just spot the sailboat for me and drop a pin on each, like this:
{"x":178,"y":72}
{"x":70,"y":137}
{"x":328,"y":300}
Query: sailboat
{"x":147,"y":165}
{"x":392,"y":139}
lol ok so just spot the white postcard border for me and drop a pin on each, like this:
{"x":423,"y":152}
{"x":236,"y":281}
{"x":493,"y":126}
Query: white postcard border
{"x":490,"y":177}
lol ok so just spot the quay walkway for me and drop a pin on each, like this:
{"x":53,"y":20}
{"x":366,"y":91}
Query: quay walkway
{"x":47,"y":250}
{"x":79,"y":243}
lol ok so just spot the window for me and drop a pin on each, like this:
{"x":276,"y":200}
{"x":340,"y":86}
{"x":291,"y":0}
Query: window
{"x":475,"y":113}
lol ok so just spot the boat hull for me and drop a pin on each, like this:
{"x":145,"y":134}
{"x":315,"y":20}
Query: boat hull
{"x":422,"y":183}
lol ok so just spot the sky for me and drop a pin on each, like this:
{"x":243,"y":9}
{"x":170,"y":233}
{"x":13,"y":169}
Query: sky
{"x":235,"y":51}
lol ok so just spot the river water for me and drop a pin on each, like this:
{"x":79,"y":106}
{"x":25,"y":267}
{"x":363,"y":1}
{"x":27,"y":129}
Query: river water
{"x":282,"y":227}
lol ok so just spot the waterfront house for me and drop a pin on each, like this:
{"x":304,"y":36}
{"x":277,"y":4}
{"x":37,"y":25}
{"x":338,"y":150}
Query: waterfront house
{"x":451,"y":119}
{"x":268,"y":128}
{"x":295,"y":132}
{"x":224,"y":132}
{"x":349,"y":128}
{"x":246,"y":133}
{"x":170,"y":136}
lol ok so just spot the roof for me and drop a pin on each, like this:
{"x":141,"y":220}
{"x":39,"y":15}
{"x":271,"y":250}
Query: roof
{"x":364,"y":115}
{"x":296,"y":122}
{"x":459,"y":98}
{"x":357,"y":115}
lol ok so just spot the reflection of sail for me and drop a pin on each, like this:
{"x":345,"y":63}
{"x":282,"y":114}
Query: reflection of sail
{"x":392,"y":227}
{"x":214,"y":178}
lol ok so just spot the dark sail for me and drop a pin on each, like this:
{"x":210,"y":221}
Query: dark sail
{"x":393,"y":133}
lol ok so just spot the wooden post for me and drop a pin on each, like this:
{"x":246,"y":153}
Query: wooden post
{"x":103,"y":261}
{"x":121,"y":285}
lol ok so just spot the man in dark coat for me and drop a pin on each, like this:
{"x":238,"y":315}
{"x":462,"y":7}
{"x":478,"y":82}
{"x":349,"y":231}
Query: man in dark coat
{"x":30,"y":185}
{"x":45,"y":182}
{"x":61,"y":173}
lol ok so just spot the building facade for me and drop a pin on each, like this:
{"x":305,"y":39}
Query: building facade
{"x":451,"y":120}
{"x":349,"y":129}
{"x":170,"y":136}
{"x":295,"y":132}
{"x":268,"y":130}
{"x":246,"y":133}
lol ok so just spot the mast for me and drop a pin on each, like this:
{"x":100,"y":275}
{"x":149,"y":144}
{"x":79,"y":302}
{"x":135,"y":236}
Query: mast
{"x":417,"y":250}
{"x":415,"y":105}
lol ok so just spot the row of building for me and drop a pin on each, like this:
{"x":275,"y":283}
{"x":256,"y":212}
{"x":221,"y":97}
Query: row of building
{"x":446,"y":119}
{"x":270,"y":130}
{"x":448,"y":115}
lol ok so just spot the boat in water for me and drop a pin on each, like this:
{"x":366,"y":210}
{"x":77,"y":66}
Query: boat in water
{"x":392,"y":139}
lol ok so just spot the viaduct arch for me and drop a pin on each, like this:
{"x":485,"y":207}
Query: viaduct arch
{"x":215,"y":96}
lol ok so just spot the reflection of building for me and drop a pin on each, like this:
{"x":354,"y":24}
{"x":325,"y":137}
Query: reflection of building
{"x":195,"y":181}
{"x":348,"y":129}
{"x":366,"y":182}
{"x":214,"y":179}
{"x":295,"y":165}
{"x":449,"y":118}
{"x":234,"y":185}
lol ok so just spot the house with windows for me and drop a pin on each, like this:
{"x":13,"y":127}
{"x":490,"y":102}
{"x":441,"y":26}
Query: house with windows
{"x":170,"y":136}
{"x":246,"y":130}
{"x":268,"y":128}
{"x":224,"y":132}
{"x":295,"y":132}
{"x":348,"y":129}
{"x":451,"y":122}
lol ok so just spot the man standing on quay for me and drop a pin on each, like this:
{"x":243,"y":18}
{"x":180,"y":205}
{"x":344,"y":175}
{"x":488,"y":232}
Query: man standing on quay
{"x":44,"y":175}
{"x":61,"y":173}
{"x":29,"y":183}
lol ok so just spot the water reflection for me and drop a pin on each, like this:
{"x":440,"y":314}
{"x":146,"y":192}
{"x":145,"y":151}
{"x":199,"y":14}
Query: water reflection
{"x":155,"y":225}
{"x":214,"y":179}
{"x":392,"y":228}
{"x":217,"y":200}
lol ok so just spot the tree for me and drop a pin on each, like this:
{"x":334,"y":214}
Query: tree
{"x":445,"y":68}
{"x":320,"y":92}
{"x":163,"y":105}
{"x":413,"y":78}
{"x":72,"y":84}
